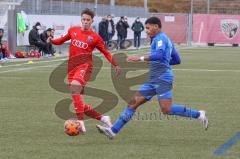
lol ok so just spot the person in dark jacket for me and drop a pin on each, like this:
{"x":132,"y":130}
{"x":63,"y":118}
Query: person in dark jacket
{"x":110,"y":27}
{"x":103,"y":30}
{"x":137,"y":28}
{"x":121,"y":28}
{"x":44,"y":37}
{"x":34,"y":39}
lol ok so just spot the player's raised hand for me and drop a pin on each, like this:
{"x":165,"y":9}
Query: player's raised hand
{"x":133,"y":58}
{"x":117,"y":70}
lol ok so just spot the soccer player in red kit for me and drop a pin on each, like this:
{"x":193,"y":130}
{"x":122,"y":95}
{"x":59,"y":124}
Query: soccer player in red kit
{"x":83,"y":41}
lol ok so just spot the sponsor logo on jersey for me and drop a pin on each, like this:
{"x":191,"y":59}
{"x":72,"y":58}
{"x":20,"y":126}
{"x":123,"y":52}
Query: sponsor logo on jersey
{"x":230,"y":27}
{"x":79,"y":44}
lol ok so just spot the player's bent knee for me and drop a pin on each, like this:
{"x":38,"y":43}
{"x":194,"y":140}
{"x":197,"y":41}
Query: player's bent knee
{"x":166,"y":110}
{"x":166,"y":105}
{"x":132,"y":102}
{"x":76,"y":83}
{"x":136,"y":101}
{"x":76,"y":87}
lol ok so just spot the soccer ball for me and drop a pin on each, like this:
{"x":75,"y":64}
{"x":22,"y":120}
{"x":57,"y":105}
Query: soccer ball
{"x":72,"y":127}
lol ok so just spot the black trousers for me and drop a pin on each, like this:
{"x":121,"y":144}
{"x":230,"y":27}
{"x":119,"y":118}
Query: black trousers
{"x":120,"y":40}
{"x":44,"y":47}
{"x":137,"y":39}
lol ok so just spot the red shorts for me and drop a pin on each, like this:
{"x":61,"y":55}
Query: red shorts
{"x":79,"y":74}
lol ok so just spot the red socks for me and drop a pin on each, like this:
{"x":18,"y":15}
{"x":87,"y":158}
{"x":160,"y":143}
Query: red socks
{"x":78,"y":105}
{"x":89,"y":111}
{"x":81,"y":109}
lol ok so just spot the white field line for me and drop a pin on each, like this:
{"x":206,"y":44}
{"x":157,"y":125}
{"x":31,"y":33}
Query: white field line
{"x":66,"y":58}
{"x":207,"y":70}
{"x":26,"y":69}
{"x":35,"y":62}
{"x":206,"y":87}
{"x":52,"y":65}
{"x":107,"y":68}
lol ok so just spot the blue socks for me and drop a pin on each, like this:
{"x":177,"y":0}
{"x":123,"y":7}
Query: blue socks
{"x":128,"y":113}
{"x":123,"y":119}
{"x":181,"y":110}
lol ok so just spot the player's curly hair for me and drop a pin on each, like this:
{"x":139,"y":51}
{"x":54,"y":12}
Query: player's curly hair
{"x":154,"y":20}
{"x":88,"y":12}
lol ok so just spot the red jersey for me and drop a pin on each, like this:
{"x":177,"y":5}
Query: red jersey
{"x":82,"y":45}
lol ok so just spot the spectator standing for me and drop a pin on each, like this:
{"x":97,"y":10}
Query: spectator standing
{"x":103,"y":30}
{"x":121,"y":28}
{"x":110,"y":27}
{"x":137,"y":28}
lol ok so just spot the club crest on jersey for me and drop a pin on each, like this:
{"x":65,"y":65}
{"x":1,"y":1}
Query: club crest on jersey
{"x":159,"y":43}
{"x":230,"y":27}
{"x":90,"y":39}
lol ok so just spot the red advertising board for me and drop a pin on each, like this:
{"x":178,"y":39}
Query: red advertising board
{"x":222,"y":29}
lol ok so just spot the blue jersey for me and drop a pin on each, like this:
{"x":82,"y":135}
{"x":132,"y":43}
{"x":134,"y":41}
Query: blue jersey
{"x":161,"y":68}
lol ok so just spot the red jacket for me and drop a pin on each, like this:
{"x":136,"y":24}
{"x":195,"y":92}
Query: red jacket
{"x":4,"y":45}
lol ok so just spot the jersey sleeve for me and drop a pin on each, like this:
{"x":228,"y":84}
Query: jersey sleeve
{"x":61,"y":40}
{"x":160,"y":44}
{"x":102,"y":48}
{"x":175,"y":57}
{"x":159,"y":47}
{"x":162,"y":49}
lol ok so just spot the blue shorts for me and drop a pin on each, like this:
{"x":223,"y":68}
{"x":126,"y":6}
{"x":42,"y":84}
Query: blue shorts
{"x":162,"y":89}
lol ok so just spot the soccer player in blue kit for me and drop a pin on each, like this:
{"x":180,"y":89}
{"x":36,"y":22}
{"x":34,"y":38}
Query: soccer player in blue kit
{"x":162,"y":55}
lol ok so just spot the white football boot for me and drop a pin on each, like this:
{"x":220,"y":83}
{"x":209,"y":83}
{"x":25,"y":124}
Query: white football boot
{"x":106,"y":120}
{"x":203,"y":119}
{"x":81,"y":122}
{"x":106,"y":131}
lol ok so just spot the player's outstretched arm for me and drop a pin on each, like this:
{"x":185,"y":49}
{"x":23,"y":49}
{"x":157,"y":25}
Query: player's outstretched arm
{"x":175,"y":57}
{"x":137,"y":58}
{"x":151,"y":57}
{"x":61,"y":40}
